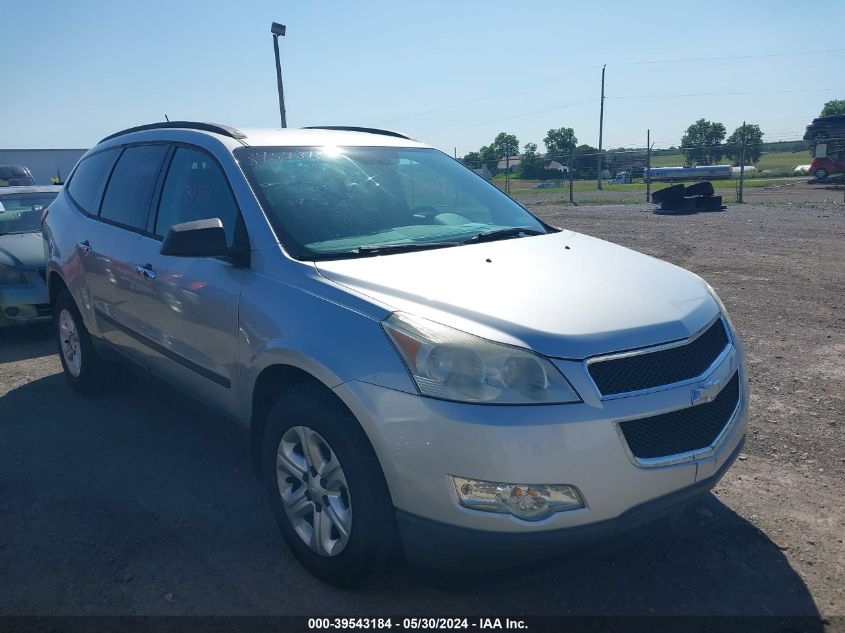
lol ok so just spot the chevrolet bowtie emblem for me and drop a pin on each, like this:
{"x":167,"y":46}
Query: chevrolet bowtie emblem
{"x":706,"y":391}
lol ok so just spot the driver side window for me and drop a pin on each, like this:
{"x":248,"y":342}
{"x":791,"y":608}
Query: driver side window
{"x":196,"y":189}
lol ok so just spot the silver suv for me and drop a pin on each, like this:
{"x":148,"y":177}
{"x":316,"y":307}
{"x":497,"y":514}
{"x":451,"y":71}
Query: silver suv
{"x":419,"y":360}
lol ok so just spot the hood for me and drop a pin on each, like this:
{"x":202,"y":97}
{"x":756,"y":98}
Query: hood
{"x":565,"y":295}
{"x":22,"y":250}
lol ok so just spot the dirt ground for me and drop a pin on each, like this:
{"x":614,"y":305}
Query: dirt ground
{"x":138,"y":502}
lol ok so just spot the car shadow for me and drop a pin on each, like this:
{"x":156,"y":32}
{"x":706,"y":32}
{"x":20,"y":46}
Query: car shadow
{"x":704,"y":560}
{"x":141,"y":502}
{"x":24,"y":342}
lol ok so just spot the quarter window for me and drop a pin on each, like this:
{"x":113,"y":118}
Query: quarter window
{"x":130,"y":188}
{"x":195,"y":189}
{"x":89,"y":179}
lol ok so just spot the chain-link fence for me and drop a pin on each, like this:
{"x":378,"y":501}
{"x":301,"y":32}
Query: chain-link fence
{"x":791,"y":170}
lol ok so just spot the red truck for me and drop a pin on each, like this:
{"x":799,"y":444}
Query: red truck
{"x":829,"y":132}
{"x":821,"y":168}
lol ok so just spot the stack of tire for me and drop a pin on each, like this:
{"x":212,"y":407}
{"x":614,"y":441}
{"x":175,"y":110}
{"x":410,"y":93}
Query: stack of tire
{"x":681,"y":199}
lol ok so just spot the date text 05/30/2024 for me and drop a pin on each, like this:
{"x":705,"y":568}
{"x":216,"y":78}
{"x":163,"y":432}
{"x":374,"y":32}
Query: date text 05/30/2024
{"x":410,"y":624}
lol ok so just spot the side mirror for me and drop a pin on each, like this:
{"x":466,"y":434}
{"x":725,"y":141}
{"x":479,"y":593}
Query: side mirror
{"x":200,"y":238}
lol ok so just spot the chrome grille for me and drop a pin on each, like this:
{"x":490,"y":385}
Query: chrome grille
{"x":694,"y":428}
{"x":662,"y":367}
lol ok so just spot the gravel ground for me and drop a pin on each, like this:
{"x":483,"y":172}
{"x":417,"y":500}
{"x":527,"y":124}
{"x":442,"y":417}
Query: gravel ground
{"x":138,"y":502}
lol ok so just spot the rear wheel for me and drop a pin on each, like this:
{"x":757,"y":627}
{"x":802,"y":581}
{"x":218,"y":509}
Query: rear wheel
{"x":85,"y":369}
{"x":821,"y":174}
{"x":326,"y":487}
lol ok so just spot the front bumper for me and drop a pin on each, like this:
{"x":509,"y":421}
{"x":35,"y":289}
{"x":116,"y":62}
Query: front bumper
{"x":25,"y":303}
{"x":421,"y":441}
{"x":435,"y":544}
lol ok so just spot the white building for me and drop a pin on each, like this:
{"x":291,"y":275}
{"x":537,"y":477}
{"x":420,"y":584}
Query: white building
{"x":45,"y":164}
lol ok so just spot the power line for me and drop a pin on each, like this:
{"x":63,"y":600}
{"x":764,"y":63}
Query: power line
{"x":636,"y":63}
{"x":518,"y":116}
{"x":490,"y":96}
{"x":725,"y":94}
{"x":727,"y":57}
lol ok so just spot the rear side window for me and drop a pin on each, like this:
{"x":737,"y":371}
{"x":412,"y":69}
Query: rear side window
{"x":131,"y":185}
{"x":89,"y":179}
{"x":195,"y":189}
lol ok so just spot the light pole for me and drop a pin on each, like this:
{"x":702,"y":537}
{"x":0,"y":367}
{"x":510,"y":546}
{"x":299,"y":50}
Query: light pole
{"x":279,"y":29}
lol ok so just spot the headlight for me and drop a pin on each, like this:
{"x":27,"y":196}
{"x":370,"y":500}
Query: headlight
{"x":452,"y":365}
{"x":737,"y":339}
{"x":11,"y":275}
{"x":721,"y":306}
{"x":531,"y":502}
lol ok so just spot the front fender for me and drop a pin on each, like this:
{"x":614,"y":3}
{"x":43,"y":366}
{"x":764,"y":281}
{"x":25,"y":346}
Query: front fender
{"x":294,"y":325}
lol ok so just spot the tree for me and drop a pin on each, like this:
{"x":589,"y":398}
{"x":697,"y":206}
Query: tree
{"x":585,"y":163}
{"x":837,"y":106}
{"x":560,"y":142}
{"x":472,"y":160}
{"x":490,"y":157}
{"x":484,"y":156}
{"x":505,"y":145}
{"x":753,"y":144}
{"x":702,"y":142}
{"x":532,"y":164}
{"x":630,"y":160}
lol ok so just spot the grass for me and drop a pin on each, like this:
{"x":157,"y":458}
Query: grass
{"x":586,"y":186}
{"x":768,"y":160}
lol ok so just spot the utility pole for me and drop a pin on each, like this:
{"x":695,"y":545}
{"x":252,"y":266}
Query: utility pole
{"x":742,"y":166}
{"x":648,"y":166}
{"x":279,"y":29}
{"x":571,"y":193}
{"x":601,"y":124}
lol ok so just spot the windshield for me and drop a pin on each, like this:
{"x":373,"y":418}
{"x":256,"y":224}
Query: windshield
{"x":21,"y":212}
{"x":330,"y":202}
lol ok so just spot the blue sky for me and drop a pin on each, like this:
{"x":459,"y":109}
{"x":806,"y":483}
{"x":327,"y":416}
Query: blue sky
{"x":77,"y":71}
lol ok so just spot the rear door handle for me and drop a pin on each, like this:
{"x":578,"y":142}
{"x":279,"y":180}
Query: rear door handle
{"x":146,"y":271}
{"x":84,"y":247}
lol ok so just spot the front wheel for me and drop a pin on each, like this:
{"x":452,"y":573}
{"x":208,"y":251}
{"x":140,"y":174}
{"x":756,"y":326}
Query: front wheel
{"x":326,"y":488}
{"x":821,"y":174}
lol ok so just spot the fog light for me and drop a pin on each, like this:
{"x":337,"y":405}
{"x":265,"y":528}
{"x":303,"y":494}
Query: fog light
{"x":531,"y":502}
{"x":12,"y":311}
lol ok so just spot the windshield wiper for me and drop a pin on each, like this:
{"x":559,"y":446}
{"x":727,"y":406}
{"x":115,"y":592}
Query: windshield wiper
{"x":379,"y":249}
{"x":489,"y":236}
{"x":376,"y":249}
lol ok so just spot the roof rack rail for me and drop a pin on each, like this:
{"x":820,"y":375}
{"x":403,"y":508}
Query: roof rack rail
{"x":352,"y":128}
{"x":217,"y":128}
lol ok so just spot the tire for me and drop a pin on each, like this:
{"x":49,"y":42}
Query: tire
{"x":708,"y":203}
{"x":307,"y":419}
{"x":679,"y":206}
{"x":86,"y":370}
{"x":700,"y":189}
{"x":673,"y":192}
{"x":821,"y":174}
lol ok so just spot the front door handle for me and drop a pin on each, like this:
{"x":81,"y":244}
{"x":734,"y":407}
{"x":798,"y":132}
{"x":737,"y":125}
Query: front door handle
{"x":84,"y":247}
{"x":146,"y":271}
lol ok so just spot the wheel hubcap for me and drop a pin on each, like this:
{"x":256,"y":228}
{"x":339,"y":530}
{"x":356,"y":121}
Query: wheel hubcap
{"x":314,"y":491}
{"x":69,"y":342}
